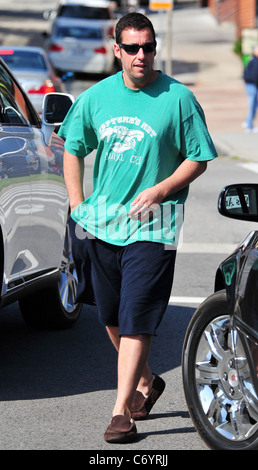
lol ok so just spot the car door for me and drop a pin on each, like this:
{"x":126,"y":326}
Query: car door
{"x":33,"y":197}
{"x":49,"y":203}
{"x":15,"y":187}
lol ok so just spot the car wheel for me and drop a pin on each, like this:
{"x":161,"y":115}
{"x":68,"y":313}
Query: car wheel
{"x":55,"y":307}
{"x":217,"y":382}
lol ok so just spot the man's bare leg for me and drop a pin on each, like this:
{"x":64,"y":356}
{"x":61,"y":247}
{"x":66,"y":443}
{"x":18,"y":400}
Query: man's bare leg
{"x":133,"y":370}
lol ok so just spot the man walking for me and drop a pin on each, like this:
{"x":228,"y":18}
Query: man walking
{"x":151,"y":142}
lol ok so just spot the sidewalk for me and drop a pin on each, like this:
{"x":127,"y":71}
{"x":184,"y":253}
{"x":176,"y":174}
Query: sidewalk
{"x":204,"y":60}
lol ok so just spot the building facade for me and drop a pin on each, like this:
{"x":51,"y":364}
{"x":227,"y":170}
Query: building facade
{"x":244,"y":13}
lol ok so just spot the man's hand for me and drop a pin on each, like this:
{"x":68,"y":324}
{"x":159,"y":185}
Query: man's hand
{"x":145,"y":204}
{"x":148,"y":200}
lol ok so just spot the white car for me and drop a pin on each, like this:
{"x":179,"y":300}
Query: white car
{"x":101,"y":10}
{"x":31,"y":67}
{"x":81,"y":46}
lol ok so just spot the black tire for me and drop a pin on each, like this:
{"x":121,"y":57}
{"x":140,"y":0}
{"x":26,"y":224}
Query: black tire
{"x":55,"y":307}
{"x":223,"y":412}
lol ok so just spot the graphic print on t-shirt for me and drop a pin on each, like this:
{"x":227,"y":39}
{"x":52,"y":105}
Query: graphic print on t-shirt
{"x":123,"y":137}
{"x":126,"y":138}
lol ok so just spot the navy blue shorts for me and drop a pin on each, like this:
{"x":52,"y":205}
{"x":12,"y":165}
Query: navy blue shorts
{"x":130,"y":285}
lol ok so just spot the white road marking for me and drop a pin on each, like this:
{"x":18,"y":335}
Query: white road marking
{"x":251,"y":166}
{"x":186,"y":300}
{"x":202,"y":248}
{"x":223,"y":248}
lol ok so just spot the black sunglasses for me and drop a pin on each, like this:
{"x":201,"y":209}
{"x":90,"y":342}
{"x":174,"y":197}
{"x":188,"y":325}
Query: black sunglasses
{"x":147,"y":48}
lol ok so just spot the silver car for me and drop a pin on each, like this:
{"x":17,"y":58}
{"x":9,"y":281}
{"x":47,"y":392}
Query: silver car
{"x":36,"y":265}
{"x":81,"y":46}
{"x":34,"y":72}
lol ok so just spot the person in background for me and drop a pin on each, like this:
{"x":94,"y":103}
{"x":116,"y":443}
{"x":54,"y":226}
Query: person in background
{"x":251,"y":86}
{"x":151,"y":142}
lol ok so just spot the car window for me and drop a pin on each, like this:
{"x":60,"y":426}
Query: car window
{"x":14,"y":109}
{"x":82,"y":12}
{"x":23,"y":59}
{"x":78,"y":33}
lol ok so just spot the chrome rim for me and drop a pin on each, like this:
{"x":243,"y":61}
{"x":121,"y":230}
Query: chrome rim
{"x":68,"y":279}
{"x":223,"y":382}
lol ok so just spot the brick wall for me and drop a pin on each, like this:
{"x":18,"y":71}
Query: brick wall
{"x":225,"y":10}
{"x":247,"y":13}
{"x":241,"y":12}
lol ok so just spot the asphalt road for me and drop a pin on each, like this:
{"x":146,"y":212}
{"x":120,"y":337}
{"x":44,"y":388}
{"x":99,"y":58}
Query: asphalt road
{"x":57,"y":389}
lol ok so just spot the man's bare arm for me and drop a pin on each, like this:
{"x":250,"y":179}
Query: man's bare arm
{"x":187,"y":172}
{"x":73,"y":175}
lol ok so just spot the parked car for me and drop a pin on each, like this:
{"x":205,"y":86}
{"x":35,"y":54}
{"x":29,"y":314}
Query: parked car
{"x":36,"y":265}
{"x":33,"y":70}
{"x":81,"y":46}
{"x":101,"y":11}
{"x":220,"y":351}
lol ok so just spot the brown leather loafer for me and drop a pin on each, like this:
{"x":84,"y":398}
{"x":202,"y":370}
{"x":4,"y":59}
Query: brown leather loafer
{"x":121,"y":429}
{"x":142,"y":405}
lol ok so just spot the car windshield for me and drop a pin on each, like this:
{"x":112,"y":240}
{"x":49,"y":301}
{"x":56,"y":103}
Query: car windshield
{"x":78,"y":33}
{"x":82,"y":12}
{"x":23,"y":59}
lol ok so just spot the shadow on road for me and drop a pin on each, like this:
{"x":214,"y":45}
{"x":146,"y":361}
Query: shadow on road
{"x":42,"y":364}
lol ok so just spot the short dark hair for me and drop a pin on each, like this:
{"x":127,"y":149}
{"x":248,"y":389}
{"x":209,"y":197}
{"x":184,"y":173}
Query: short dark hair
{"x":133,"y":20}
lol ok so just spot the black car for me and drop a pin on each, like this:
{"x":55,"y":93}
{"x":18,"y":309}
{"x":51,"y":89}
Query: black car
{"x":220,"y":352}
{"x":36,"y":265}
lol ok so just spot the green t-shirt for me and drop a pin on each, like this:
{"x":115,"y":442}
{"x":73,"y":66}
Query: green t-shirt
{"x":141,"y":137}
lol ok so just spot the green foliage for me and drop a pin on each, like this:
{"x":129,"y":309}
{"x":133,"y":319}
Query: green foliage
{"x":237,"y":48}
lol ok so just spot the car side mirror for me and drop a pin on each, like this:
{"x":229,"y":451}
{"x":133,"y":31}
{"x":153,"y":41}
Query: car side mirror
{"x":239,"y":201}
{"x":54,"y":109}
